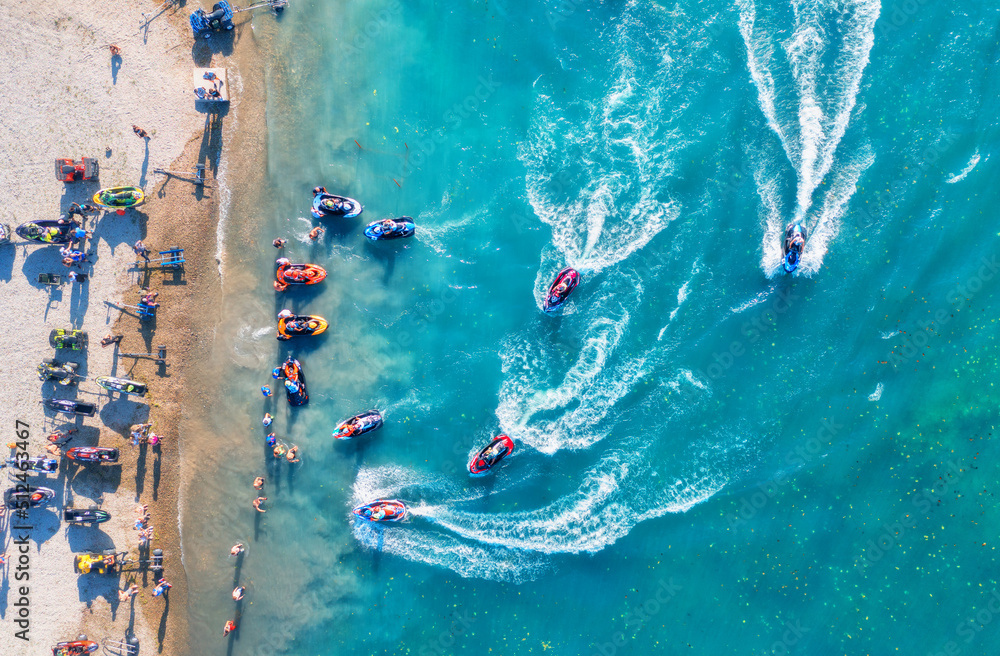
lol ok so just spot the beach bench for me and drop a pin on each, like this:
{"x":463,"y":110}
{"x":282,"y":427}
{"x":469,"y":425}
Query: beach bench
{"x":49,"y":279}
{"x":168,"y":259}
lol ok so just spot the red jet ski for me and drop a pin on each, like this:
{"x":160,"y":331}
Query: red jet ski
{"x":75,"y":648}
{"x":358,"y":425}
{"x":296,"y":274}
{"x":382,"y":510}
{"x":561,"y":288}
{"x":501,"y":447}
{"x":93,"y":454}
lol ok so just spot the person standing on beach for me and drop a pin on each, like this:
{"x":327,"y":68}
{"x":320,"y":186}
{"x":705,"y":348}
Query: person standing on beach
{"x":141,"y":250}
{"x":161,"y":587}
{"x":115,"y":51}
{"x":257,"y":502}
{"x":139,"y":132}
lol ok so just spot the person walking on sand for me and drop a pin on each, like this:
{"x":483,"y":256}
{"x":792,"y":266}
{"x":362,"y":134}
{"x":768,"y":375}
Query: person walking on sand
{"x":161,"y":587}
{"x":139,"y":132}
{"x":115,"y":51}
{"x":257,"y":502}
{"x":141,"y":250}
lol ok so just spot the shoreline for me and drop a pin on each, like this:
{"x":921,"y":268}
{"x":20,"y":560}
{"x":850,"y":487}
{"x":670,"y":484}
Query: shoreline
{"x":64,"y":120}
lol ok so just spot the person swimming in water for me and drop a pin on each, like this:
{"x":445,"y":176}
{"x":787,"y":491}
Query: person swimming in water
{"x":237,"y":549}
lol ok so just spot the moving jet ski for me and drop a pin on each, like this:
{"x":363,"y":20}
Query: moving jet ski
{"x":795,"y":241}
{"x":75,"y":340}
{"x":48,"y":231}
{"x":296,"y":274}
{"x":24,"y":496}
{"x":382,"y":510}
{"x":390,"y":229}
{"x":36,"y":464}
{"x":123,"y":385}
{"x":325,"y":204}
{"x":294,"y":325}
{"x":85,"y":516}
{"x":62,"y":372}
{"x":560,"y":289}
{"x":204,"y":23}
{"x":295,"y":381}
{"x":357,"y":425}
{"x":93,"y":454}
{"x":75,"y":648}
{"x":70,"y":407}
{"x":119,"y":198}
{"x":501,"y":447}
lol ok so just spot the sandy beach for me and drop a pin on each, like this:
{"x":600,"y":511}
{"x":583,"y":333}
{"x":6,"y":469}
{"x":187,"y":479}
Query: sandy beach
{"x":66,"y":96}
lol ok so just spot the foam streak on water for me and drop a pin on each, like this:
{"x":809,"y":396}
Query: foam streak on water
{"x":826,"y":55}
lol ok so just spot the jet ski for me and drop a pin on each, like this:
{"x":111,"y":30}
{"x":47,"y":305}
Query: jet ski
{"x":501,"y":447}
{"x":119,"y":198}
{"x":93,"y":454}
{"x":62,"y":372}
{"x":70,"y":407}
{"x":358,"y":425}
{"x":204,"y":24}
{"x":296,"y":274}
{"x":75,"y":648}
{"x":295,"y":381}
{"x":48,"y":231}
{"x":75,"y":340}
{"x":795,"y":241}
{"x":35,"y":464}
{"x":382,"y":510}
{"x":294,"y":325}
{"x":85,"y":516}
{"x":560,"y":289}
{"x":25,"y":496}
{"x":325,"y":204}
{"x":390,"y":229}
{"x":123,"y":385}
{"x":4,"y":233}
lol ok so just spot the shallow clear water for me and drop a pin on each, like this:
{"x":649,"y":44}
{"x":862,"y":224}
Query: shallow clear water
{"x":712,"y":457}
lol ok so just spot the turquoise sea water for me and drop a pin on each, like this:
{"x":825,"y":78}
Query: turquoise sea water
{"x":713,"y":457}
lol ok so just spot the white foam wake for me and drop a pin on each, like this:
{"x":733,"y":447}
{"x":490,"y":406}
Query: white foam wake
{"x":809,"y":105}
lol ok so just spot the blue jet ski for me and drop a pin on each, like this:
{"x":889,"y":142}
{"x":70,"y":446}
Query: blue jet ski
{"x":327,"y":204}
{"x":795,"y":241}
{"x":204,"y":24}
{"x":390,"y":229}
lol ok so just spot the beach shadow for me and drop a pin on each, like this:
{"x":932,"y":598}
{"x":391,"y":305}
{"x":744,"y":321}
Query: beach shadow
{"x":45,"y":522}
{"x":145,"y":165}
{"x":161,"y":633}
{"x":79,"y":301}
{"x":210,"y":152}
{"x":6,"y":262}
{"x":82,"y":538}
{"x":220,"y":43}
{"x":116,"y":65}
{"x":385,"y":254}
{"x":156,"y":473}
